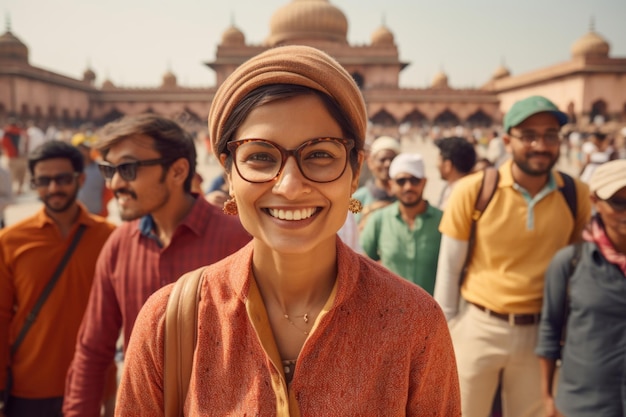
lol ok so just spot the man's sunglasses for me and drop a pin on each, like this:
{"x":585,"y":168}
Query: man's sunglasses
{"x":127,"y":170}
{"x":401,"y":181}
{"x":66,"y":178}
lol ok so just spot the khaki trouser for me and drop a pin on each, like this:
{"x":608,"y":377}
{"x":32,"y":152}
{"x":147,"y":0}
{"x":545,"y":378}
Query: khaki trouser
{"x":487,"y":346}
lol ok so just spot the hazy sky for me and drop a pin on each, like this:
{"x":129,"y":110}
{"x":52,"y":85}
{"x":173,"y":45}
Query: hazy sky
{"x":134,"y":42}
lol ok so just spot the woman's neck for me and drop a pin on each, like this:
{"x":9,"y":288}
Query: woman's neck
{"x":295,"y":282}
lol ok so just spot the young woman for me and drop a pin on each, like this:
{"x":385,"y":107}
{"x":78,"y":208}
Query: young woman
{"x":585,"y":305}
{"x":296,"y":323}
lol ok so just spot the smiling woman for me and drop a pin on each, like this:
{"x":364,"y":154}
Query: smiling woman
{"x":288,"y":323}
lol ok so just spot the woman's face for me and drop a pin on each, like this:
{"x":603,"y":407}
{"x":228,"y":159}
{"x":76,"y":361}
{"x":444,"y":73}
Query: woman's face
{"x":268,"y":210}
{"x":613,"y":212}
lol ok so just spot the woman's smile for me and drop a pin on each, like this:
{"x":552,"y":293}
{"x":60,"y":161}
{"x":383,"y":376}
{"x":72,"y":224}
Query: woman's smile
{"x":292,"y":214}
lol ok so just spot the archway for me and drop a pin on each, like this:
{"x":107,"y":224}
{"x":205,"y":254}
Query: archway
{"x":109,"y":117}
{"x":598,"y":112}
{"x":479,"y":119}
{"x":415,"y":118}
{"x":447,"y":119}
{"x":383,"y":118}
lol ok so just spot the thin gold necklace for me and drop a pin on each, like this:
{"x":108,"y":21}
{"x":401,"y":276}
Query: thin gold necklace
{"x":304,"y":317}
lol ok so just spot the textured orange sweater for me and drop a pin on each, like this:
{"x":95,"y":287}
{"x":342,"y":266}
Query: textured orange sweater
{"x":381,"y":348}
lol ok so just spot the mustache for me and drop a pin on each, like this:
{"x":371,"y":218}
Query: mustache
{"x":55,"y":195}
{"x":547,"y":154}
{"x":124,"y":191}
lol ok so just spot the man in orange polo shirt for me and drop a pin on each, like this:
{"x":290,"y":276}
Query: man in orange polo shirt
{"x":30,"y":251}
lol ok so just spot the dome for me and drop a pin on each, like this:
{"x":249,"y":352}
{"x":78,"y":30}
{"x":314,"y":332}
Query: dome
{"x":169,"y":80}
{"x":108,"y":84}
{"x":308,"y":20}
{"x":501,"y":72}
{"x":382,"y":36}
{"x":89,"y":76}
{"x":590,"y":44}
{"x":440,"y":80}
{"x":11,"y":48}
{"x":233,"y":37}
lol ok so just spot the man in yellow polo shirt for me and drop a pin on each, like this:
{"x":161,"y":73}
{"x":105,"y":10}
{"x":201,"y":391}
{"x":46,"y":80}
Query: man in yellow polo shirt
{"x":523,"y":226}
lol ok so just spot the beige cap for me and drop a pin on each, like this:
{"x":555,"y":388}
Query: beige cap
{"x":608,"y":179}
{"x":385,"y":143}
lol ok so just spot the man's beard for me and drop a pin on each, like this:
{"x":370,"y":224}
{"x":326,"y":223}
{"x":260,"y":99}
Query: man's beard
{"x":71,"y":199}
{"x":526,"y":168}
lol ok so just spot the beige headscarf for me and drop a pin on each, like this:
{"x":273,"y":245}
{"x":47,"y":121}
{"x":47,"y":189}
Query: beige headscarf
{"x":298,"y":65}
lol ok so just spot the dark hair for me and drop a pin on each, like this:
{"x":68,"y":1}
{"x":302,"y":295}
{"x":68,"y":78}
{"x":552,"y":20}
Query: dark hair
{"x":54,"y":149}
{"x":274,"y":92}
{"x":458,"y":151}
{"x":171,"y":141}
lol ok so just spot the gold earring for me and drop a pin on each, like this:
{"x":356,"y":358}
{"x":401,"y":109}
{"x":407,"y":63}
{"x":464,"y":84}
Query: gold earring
{"x":230,"y":207}
{"x":355,"y":206}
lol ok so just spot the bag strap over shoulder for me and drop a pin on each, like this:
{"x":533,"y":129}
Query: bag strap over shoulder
{"x":573,"y":264}
{"x":569,"y":193}
{"x":488,"y":187}
{"x":181,"y":317}
{"x":32,"y":316}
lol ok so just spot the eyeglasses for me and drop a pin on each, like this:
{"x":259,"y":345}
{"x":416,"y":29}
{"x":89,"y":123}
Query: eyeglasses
{"x":617,"y":204}
{"x":414,"y":181}
{"x":127,"y":170}
{"x":529,"y":137}
{"x":319,"y":160}
{"x":66,"y":178}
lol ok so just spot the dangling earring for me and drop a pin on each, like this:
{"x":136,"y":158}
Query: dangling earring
{"x":230,"y":207}
{"x":355,"y":206}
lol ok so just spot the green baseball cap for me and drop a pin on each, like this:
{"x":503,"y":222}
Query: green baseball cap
{"x":527,"y":107}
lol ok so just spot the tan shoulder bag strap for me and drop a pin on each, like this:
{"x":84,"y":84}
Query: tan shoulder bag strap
{"x":488,"y":187}
{"x":181,"y":318}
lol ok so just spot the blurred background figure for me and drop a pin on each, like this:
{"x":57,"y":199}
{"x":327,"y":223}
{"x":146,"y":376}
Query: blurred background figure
{"x":376,"y":192}
{"x":404,"y":236}
{"x":457,"y":158}
{"x":15,"y":148}
{"x":35,"y":135}
{"x":94,"y":194}
{"x":595,"y":151}
{"x":6,"y":192}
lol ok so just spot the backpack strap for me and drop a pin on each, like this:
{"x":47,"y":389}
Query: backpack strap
{"x":181,"y":317}
{"x":488,"y":187}
{"x":573,"y":264}
{"x":569,"y":193}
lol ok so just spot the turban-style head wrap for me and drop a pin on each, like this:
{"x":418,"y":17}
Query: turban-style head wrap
{"x":297,"y":65}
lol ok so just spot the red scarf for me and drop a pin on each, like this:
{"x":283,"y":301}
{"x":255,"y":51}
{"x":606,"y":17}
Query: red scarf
{"x":596,"y":233}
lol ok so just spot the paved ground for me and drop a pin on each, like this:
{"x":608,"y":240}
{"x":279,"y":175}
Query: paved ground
{"x":27,"y":203}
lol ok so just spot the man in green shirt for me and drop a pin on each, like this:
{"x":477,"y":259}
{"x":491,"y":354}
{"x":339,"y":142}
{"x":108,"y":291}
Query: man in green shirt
{"x":404,"y":236}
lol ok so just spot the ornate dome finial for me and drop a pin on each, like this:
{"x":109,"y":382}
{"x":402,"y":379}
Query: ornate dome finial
{"x":11,"y":48}
{"x":501,"y":72}
{"x":591,"y":44}
{"x":89,"y":76}
{"x":307,"y":20}
{"x":440,"y":80}
{"x":383,"y":36}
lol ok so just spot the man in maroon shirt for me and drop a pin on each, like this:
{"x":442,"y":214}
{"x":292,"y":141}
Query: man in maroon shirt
{"x":149,"y":163}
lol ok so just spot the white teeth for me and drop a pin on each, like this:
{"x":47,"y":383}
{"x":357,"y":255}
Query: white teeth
{"x":292,"y":214}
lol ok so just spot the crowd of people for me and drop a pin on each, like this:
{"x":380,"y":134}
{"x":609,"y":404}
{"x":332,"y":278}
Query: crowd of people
{"x":325,"y":281}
